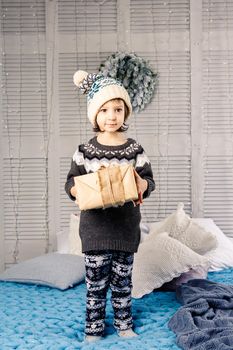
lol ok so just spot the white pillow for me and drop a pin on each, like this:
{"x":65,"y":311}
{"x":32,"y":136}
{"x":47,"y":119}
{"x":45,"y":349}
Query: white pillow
{"x":181,"y":227}
{"x":159,"y":259}
{"x":75,"y":244}
{"x":221,"y":257}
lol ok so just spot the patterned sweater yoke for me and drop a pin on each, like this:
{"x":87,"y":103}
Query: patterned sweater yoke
{"x":92,"y":155}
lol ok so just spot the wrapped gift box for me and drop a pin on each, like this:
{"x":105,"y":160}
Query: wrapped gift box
{"x":110,"y":186}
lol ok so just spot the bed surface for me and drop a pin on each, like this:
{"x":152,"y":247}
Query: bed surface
{"x":37,"y":317}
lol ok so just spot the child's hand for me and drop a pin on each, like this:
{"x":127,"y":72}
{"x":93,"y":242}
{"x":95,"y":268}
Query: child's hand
{"x":141,"y":186}
{"x":73,"y":191}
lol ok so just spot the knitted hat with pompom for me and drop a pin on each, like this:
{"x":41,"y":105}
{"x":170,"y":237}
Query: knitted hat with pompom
{"x":100,"y":90}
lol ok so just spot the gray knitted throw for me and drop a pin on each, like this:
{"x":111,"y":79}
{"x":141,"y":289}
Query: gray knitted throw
{"x":206,"y":319}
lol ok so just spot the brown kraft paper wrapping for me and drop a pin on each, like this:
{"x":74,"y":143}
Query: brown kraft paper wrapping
{"x":110,"y":186}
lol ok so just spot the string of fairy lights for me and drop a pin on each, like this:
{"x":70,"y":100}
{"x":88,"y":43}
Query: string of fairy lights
{"x":16,"y":159}
{"x":160,"y":155}
{"x":46,"y":132}
{"x":230,"y":92}
{"x":214,"y":59}
{"x":228,"y":29}
{"x":14,"y":191}
{"x":163,"y":127}
{"x":17,"y":196}
{"x":46,"y":128}
{"x":77,"y":56}
{"x":229,"y":74}
{"x":228,"y":227}
{"x":204,"y":119}
{"x":167,"y":131}
{"x":157,"y":170}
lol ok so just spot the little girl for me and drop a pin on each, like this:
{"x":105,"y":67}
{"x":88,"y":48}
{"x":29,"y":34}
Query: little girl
{"x":111,"y":236}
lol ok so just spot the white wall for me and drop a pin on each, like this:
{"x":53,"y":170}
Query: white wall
{"x":186,"y":130}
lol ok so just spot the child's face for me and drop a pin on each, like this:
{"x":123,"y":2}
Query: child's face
{"x":111,"y":115}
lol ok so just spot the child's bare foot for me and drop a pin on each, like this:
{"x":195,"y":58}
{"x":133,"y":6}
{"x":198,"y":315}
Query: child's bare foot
{"x":92,"y":338}
{"x":128,"y":333}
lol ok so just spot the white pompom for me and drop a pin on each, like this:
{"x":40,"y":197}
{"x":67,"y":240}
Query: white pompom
{"x":79,"y":76}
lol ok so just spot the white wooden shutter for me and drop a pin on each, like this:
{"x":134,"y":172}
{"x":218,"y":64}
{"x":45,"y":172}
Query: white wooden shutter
{"x":24,"y":99}
{"x":25,"y":213}
{"x":24,"y":132}
{"x":23,"y":16}
{"x":169,"y":111}
{"x":217,"y":15}
{"x":77,"y":16}
{"x":218,"y":194}
{"x":150,"y":16}
{"x":218,"y":112}
{"x":159,"y":33}
{"x":173,"y":178}
{"x":186,"y":130}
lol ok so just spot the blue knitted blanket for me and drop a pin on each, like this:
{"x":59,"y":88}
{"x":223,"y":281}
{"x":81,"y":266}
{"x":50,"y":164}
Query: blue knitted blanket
{"x":44,"y":318}
{"x":205,"y":321}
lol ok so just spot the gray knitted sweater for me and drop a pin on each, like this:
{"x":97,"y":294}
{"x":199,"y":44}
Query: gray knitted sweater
{"x":115,"y":228}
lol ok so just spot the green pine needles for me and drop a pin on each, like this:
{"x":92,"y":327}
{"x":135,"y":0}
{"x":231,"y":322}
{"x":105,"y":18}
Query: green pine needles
{"x":135,"y":74}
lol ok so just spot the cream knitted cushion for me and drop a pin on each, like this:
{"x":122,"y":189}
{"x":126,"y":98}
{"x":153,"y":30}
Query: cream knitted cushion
{"x":186,"y":230}
{"x":221,"y":257}
{"x":159,"y":259}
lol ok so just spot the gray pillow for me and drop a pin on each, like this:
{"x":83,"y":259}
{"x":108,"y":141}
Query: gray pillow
{"x":54,"y":270}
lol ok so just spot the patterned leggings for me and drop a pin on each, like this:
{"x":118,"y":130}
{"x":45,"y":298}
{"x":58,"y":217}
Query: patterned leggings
{"x":103,"y":269}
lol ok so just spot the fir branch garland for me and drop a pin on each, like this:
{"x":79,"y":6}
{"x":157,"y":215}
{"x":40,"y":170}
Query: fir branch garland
{"x":135,"y":74}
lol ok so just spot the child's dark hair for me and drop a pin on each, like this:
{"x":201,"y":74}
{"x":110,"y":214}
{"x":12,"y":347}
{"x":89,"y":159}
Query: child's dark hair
{"x":124,"y":127}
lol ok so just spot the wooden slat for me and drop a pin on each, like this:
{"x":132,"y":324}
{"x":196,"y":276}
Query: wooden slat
{"x":172,"y":176}
{"x":218,"y":91}
{"x":157,"y":16}
{"x":218,"y":194}
{"x":87,"y":16}
{"x":28,"y":249}
{"x":217,"y":15}
{"x":217,"y":112}
{"x":23,"y":16}
{"x":169,"y":110}
{"x":25,"y":209}
{"x":24,"y":95}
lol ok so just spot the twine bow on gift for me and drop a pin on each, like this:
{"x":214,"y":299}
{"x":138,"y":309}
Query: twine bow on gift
{"x":111,"y":186}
